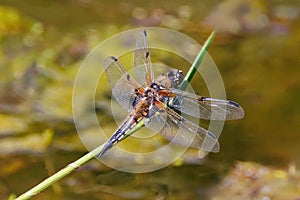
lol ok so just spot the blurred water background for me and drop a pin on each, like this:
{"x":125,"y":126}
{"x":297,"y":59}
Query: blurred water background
{"x":43,"y":43}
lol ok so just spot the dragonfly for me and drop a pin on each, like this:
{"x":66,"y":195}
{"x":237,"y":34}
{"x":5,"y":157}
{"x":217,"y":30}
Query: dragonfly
{"x":161,"y":104}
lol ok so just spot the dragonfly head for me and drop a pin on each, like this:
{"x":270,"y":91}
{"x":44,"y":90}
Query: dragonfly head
{"x":176,"y":76}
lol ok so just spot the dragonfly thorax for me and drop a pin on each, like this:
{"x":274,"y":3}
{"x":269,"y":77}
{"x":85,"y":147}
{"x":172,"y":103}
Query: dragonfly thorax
{"x":148,"y":95}
{"x":151,"y":92}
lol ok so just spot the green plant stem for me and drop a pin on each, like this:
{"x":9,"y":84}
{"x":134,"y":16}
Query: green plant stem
{"x":60,"y":174}
{"x":193,"y":69}
{"x":69,"y":168}
{"x":74,"y":165}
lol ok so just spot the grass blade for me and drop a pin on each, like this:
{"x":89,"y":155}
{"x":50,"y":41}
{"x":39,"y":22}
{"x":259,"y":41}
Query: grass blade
{"x":193,"y":69}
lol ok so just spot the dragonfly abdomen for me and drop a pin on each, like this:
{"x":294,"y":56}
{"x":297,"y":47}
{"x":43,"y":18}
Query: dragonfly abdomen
{"x":117,"y":136}
{"x":135,"y":117}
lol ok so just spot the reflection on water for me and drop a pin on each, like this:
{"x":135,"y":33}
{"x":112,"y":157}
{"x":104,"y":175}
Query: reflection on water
{"x":42,"y":45}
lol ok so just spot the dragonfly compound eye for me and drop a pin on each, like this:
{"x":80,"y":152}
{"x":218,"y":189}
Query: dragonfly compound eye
{"x":176,"y":76}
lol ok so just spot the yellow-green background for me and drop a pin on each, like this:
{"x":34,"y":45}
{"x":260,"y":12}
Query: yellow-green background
{"x":42,"y":44}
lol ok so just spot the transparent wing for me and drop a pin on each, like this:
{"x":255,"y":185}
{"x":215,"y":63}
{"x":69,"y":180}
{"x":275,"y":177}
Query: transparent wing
{"x":181,"y":131}
{"x":190,"y":133}
{"x":209,"y":108}
{"x":121,"y":83}
{"x":142,"y":63}
{"x":156,"y":121}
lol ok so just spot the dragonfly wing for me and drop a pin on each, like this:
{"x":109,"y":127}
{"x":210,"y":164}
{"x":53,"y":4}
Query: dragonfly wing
{"x":209,"y":108}
{"x":121,"y":83}
{"x":142,"y":63}
{"x":179,"y":130}
{"x":218,"y":107}
{"x":157,"y":121}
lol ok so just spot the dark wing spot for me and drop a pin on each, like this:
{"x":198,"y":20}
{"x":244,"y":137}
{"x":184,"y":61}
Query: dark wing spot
{"x":202,"y":99}
{"x":114,"y":58}
{"x":145,"y":33}
{"x":234,"y":103}
{"x":128,"y":77}
{"x":147,"y":54}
